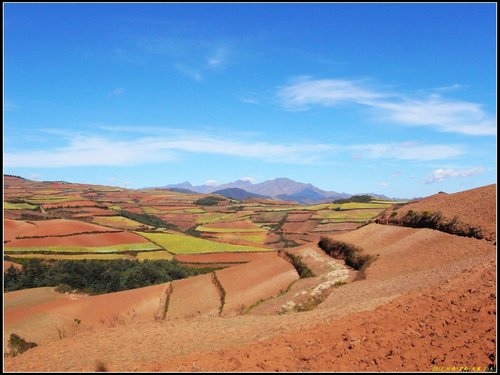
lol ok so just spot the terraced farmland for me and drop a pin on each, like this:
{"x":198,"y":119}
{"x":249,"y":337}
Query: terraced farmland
{"x":64,"y":220}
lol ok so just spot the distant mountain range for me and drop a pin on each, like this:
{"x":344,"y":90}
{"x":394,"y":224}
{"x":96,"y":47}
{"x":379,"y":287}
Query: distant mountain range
{"x":279,"y":188}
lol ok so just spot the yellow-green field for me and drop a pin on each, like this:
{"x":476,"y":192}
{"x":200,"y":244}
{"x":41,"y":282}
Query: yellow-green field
{"x":212,"y":217}
{"x":202,"y":228}
{"x":154,"y":255}
{"x":82,"y":249}
{"x":39,"y":199}
{"x":177,"y":243}
{"x":18,"y":206}
{"x":74,"y":256}
{"x":118,"y":222}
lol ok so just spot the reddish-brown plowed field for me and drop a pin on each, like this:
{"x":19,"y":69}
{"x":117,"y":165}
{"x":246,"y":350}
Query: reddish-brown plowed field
{"x":299,"y":226}
{"x":194,"y":296}
{"x":14,"y":228}
{"x":332,"y":227}
{"x":248,"y":283}
{"x":83,"y":240}
{"x":56,"y":227}
{"x":232,"y":257}
{"x":427,"y":302}
{"x":475,"y":207}
{"x":400,"y":250}
{"x":298,"y":216}
{"x":36,"y":314}
{"x":183,"y":221}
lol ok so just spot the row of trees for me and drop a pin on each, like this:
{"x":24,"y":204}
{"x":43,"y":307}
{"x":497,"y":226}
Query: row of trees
{"x":95,"y":276}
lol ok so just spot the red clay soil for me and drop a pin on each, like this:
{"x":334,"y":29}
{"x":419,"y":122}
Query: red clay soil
{"x":452,"y":324}
{"x":428,"y":302}
{"x":248,"y":283}
{"x":83,"y":240}
{"x":232,"y":257}
{"x":300,"y":227}
{"x":14,"y":228}
{"x":437,"y":328}
{"x":55,"y":227}
{"x":39,"y":322}
{"x":400,"y":250}
{"x":298,"y":216}
{"x":475,"y":207}
{"x":194,"y":296}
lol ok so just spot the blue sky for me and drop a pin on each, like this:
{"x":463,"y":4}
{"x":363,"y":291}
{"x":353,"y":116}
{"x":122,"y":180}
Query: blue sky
{"x":395,"y":99}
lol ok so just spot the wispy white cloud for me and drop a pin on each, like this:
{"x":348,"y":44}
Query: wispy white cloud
{"x":194,"y":73}
{"x":405,"y":151}
{"x":327,"y":92}
{"x":439,"y":175}
{"x":435,"y":111}
{"x":217,"y":58}
{"x":193,"y":58}
{"x":119,"y":91}
{"x":89,"y":150}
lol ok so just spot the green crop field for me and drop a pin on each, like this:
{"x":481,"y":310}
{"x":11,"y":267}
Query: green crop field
{"x":74,"y":256}
{"x":203,"y":228}
{"x":82,"y":249}
{"x":54,"y":198}
{"x":177,"y":243}
{"x":355,"y":205}
{"x":18,"y":206}
{"x":154,"y":255}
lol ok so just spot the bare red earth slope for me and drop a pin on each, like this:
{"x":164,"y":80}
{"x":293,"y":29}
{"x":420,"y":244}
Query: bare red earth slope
{"x":428,"y":302}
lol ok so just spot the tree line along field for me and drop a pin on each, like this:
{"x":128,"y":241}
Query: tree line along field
{"x":58,"y":220}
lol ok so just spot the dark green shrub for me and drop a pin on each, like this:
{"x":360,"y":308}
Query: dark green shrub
{"x":96,"y":276}
{"x":17,"y":345}
{"x":344,"y":251}
{"x":209,"y":201}
{"x":300,"y":266}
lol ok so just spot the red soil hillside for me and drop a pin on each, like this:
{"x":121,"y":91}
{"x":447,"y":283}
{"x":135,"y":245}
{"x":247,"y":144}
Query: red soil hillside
{"x":474,"y":207}
{"x":427,"y":302}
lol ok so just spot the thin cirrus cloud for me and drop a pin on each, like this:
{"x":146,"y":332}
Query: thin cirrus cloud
{"x":435,"y":111}
{"x":405,"y":151}
{"x":439,"y":175}
{"x":84,"y":150}
{"x":190,"y":57}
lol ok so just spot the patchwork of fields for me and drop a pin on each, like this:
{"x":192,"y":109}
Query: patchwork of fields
{"x":57,"y":220}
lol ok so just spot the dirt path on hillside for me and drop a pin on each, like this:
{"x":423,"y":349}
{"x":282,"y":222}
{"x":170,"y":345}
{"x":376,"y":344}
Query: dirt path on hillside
{"x":409,"y":333}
